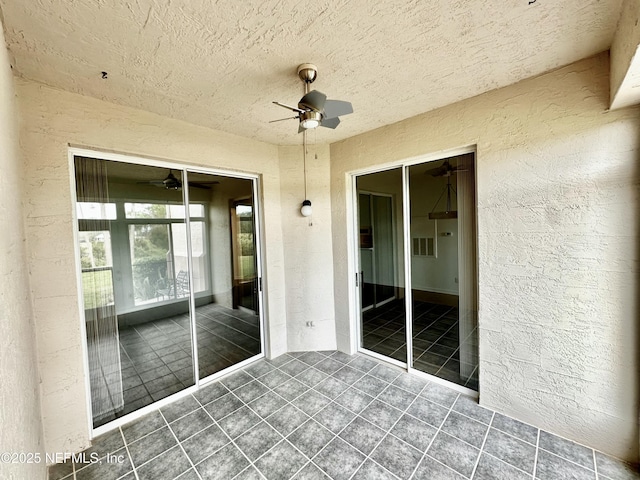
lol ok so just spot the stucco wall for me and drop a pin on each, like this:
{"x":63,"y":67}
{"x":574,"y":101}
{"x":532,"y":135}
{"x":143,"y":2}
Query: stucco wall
{"x":20,"y":425}
{"x":307,"y":249}
{"x":558,"y":211}
{"x":52,"y":119}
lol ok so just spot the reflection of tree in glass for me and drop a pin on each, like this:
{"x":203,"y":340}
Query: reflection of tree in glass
{"x":92,"y":250}
{"x":150,"y":248}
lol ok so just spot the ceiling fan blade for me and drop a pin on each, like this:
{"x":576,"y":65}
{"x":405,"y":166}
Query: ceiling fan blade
{"x":289,"y":107}
{"x":199,"y":185}
{"x":158,"y":183}
{"x":436,"y":172}
{"x":283,"y":119}
{"x":313,"y":100}
{"x":337,"y":108}
{"x":330,"y":122}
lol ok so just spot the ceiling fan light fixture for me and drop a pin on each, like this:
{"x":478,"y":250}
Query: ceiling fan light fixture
{"x":310,"y":120}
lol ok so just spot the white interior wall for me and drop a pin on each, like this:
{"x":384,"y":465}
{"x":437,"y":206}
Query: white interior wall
{"x":433,"y":274}
{"x":307,"y":249}
{"x":50,"y":121}
{"x":21,"y":427}
{"x":558,"y":210}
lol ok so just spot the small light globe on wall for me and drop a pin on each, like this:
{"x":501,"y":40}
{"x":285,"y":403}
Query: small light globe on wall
{"x":306,"y":208}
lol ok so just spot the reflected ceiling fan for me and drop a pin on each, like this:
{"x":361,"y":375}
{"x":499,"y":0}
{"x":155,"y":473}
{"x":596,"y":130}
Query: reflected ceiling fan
{"x":444,"y":170}
{"x":173,"y":183}
{"x":314,"y":109}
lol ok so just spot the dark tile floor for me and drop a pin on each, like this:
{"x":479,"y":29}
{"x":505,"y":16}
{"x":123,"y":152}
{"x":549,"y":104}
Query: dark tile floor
{"x":327,"y":415}
{"x":156,"y":358}
{"x":436,"y":340}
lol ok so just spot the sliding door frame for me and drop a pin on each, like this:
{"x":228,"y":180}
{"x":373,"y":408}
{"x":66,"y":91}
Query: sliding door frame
{"x":80,"y":151}
{"x":354,"y":257}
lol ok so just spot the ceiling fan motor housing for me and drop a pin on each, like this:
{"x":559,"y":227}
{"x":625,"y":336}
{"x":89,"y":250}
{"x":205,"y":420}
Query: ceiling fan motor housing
{"x":308,"y":72}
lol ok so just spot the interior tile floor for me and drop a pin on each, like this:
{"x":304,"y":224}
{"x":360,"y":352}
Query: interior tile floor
{"x":328,"y":415}
{"x":436,"y":340}
{"x":156,"y":358}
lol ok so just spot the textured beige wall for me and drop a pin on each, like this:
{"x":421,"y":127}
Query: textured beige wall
{"x":558,"y":210}
{"x":307,"y":249}
{"x":52,"y":119}
{"x":20,"y":425}
{"x":625,"y":58}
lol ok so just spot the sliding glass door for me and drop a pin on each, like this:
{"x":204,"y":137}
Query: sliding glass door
{"x":156,"y":256}
{"x":382,"y":320}
{"x":437,"y":226}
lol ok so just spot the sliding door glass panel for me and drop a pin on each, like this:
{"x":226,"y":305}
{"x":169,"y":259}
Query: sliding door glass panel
{"x":443,"y":282}
{"x":383,"y":328}
{"x":224,"y":271}
{"x":135,"y":285}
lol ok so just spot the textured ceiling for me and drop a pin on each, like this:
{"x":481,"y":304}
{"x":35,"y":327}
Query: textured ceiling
{"x":221,"y":63}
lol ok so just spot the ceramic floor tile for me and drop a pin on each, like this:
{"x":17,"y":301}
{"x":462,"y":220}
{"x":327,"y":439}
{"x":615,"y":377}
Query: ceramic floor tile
{"x":567,"y":449}
{"x":339,"y":460}
{"x":514,"y":427}
{"x":615,"y":469}
{"x":454,"y":453}
{"x":363,"y":435}
{"x":239,"y":422}
{"x":552,"y":467}
{"x":381,"y":414}
{"x":490,"y":468}
{"x":281,"y":462}
{"x":170,"y":464}
{"x":258,"y":440}
{"x":430,"y":469}
{"x":465,"y":428}
{"x":414,"y":432}
{"x":204,"y":443}
{"x":152,"y":445}
{"x":310,"y":437}
{"x":372,"y":471}
{"x":397,"y":456}
{"x":511,"y":450}
{"x":310,"y":472}
{"x":225,"y":464}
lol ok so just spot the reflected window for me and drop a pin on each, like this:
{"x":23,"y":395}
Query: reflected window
{"x":96,"y":211}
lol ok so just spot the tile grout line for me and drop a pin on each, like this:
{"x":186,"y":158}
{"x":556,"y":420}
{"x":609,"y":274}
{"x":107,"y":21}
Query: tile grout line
{"x":126,"y":445}
{"x":308,"y":388}
{"x":231,"y":440}
{"x":595,"y":464}
{"x":439,"y":429}
{"x":484,"y":441}
{"x":388,"y":432}
{"x":180,"y":445}
{"x":289,"y":402}
{"x":535,"y":460}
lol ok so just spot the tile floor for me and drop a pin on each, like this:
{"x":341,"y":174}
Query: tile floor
{"x":327,"y":415}
{"x":436,"y":340}
{"x":156,"y":357}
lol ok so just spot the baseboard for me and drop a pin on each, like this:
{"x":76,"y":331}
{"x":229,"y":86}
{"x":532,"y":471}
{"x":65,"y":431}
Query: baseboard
{"x":435,"y":297}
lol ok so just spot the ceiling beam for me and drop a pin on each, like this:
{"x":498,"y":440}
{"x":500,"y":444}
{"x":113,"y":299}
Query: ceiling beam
{"x":625,"y":58}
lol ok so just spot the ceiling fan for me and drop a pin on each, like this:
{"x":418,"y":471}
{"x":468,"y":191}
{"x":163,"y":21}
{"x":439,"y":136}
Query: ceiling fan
{"x":314,"y":109}
{"x":444,"y":170}
{"x":171,"y":182}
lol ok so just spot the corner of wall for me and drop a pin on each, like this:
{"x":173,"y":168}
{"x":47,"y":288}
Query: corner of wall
{"x":21,"y":415}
